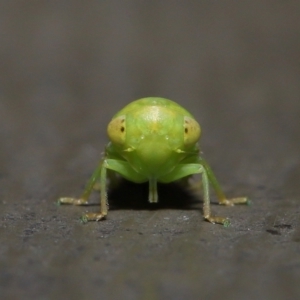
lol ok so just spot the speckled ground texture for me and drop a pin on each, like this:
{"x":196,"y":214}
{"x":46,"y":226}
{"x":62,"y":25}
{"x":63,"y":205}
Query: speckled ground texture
{"x":67,"y":67}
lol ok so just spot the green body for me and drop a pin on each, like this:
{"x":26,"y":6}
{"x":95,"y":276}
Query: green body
{"x":153,"y":140}
{"x":150,"y":138}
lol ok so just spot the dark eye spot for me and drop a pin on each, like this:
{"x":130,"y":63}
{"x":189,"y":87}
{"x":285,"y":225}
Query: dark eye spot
{"x":123,"y":120}
{"x":186,"y":130}
{"x":122,"y":129}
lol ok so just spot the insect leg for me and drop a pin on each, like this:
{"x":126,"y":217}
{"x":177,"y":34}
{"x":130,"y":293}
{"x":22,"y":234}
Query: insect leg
{"x":153,"y":196}
{"x":221,"y":196}
{"x":206,"y":204}
{"x":183,"y":170}
{"x":103,"y":198}
{"x":83,"y":200}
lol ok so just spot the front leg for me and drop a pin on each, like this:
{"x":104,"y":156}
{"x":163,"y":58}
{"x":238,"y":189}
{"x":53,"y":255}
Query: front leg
{"x":221,"y":196}
{"x":103,"y":199}
{"x":100,"y":172}
{"x":183,"y":170}
{"x":206,"y":204}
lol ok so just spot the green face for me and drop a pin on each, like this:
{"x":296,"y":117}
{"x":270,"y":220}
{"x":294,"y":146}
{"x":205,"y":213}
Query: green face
{"x":153,"y":135}
{"x":154,"y":140}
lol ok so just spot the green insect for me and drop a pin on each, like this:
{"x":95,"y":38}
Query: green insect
{"x":152,"y":140}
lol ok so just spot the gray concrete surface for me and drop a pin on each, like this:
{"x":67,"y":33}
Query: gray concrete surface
{"x":67,"y":67}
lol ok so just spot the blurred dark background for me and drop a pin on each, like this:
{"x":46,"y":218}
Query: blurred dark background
{"x":67,"y":66}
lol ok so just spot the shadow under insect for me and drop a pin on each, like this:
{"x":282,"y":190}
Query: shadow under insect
{"x":128,"y":195}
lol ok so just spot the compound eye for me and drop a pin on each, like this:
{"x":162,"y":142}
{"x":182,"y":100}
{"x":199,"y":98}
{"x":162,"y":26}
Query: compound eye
{"x":191,"y":131}
{"x":116,"y":130}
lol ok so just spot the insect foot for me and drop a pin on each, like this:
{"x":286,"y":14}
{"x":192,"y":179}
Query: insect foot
{"x":74,"y":201}
{"x":92,"y":217}
{"x":233,"y":201}
{"x":218,"y":220}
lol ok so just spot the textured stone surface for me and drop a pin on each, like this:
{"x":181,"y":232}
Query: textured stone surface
{"x":67,"y":67}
